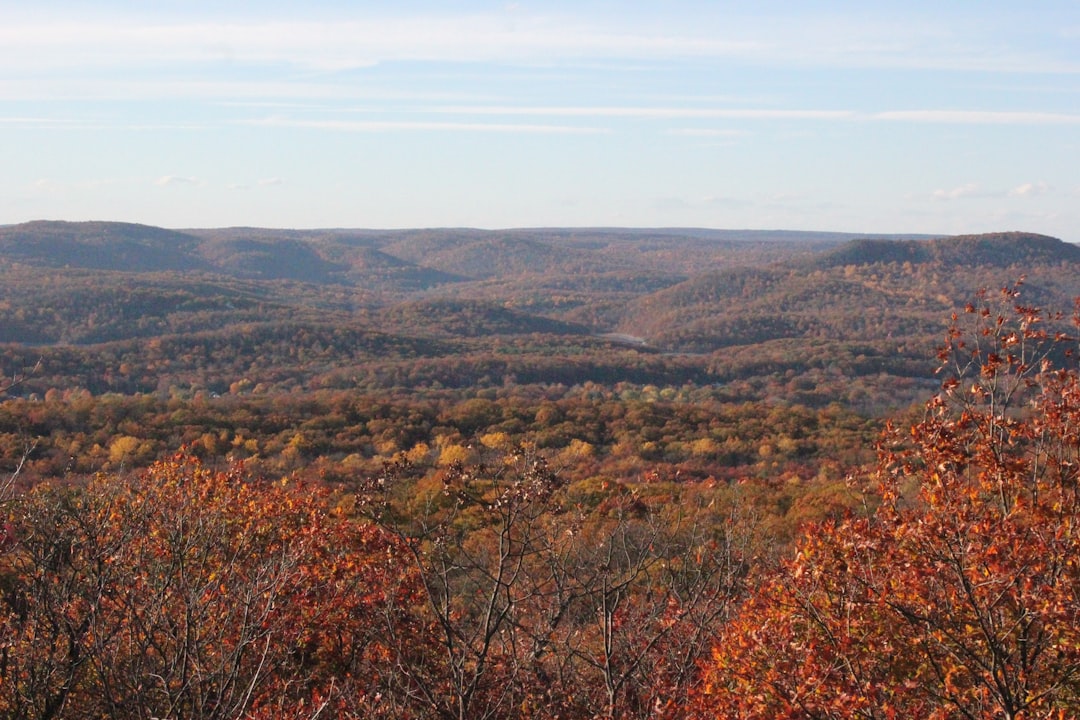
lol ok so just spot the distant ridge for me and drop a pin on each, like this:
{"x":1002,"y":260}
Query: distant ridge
{"x":100,"y":246}
{"x":786,"y":312}
{"x":416,"y":260}
{"x":1002,"y":249}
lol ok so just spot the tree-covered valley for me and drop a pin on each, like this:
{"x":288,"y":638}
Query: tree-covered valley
{"x":536,"y":473}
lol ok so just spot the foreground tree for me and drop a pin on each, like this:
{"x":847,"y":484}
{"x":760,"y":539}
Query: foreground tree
{"x":188,"y":592}
{"x":958,"y":596}
{"x":542,"y":610}
{"x":642,"y":594}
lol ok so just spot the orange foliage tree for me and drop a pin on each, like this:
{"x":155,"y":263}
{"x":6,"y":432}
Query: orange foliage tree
{"x":957,"y":597}
{"x":190,"y":592}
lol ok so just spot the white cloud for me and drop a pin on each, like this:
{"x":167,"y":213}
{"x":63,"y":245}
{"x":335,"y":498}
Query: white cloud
{"x":34,"y":122}
{"x":396,"y":125}
{"x":344,"y":43}
{"x":1030,"y":189}
{"x":978,"y":117}
{"x":267,"y":182}
{"x":648,"y":112}
{"x":956,"y":117}
{"x":176,"y":180}
{"x":974,"y":191}
{"x":705,"y":132}
{"x":968,"y":190}
{"x":361,"y":38}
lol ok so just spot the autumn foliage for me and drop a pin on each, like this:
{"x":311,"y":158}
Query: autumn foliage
{"x":189,"y":592}
{"x":957,"y":596}
{"x":542,"y":609}
{"x":479,"y":582}
{"x":192,"y":592}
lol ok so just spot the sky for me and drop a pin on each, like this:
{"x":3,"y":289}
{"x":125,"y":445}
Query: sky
{"x":892,"y":117}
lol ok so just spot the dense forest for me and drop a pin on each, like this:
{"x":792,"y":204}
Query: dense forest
{"x":536,"y":473}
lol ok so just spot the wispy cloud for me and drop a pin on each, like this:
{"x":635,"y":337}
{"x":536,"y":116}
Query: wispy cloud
{"x":31,"y":123}
{"x":214,"y":90}
{"x":957,"y":117}
{"x":374,"y":126}
{"x":260,"y":183}
{"x":193,"y":78}
{"x":345,"y":43}
{"x":648,"y":112}
{"x":974,"y":190}
{"x":356,"y":39}
{"x":73,"y":86}
{"x":705,"y":132}
{"x":979,"y":117}
{"x":968,"y":190}
{"x":1030,"y":189}
{"x":35,"y":122}
{"x":176,"y":180}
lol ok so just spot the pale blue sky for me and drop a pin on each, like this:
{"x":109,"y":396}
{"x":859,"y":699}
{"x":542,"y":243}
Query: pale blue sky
{"x":853,"y":116}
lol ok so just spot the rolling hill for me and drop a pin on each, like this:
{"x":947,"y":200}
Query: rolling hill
{"x":115,"y":246}
{"x":282,"y":308}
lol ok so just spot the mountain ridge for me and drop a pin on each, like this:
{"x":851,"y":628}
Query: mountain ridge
{"x":1001,"y":249}
{"x":455,"y":254}
{"x":400,"y":309}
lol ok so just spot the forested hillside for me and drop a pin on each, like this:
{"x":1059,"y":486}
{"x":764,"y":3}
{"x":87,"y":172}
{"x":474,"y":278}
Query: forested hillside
{"x":157,"y":339}
{"x":533,"y":473}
